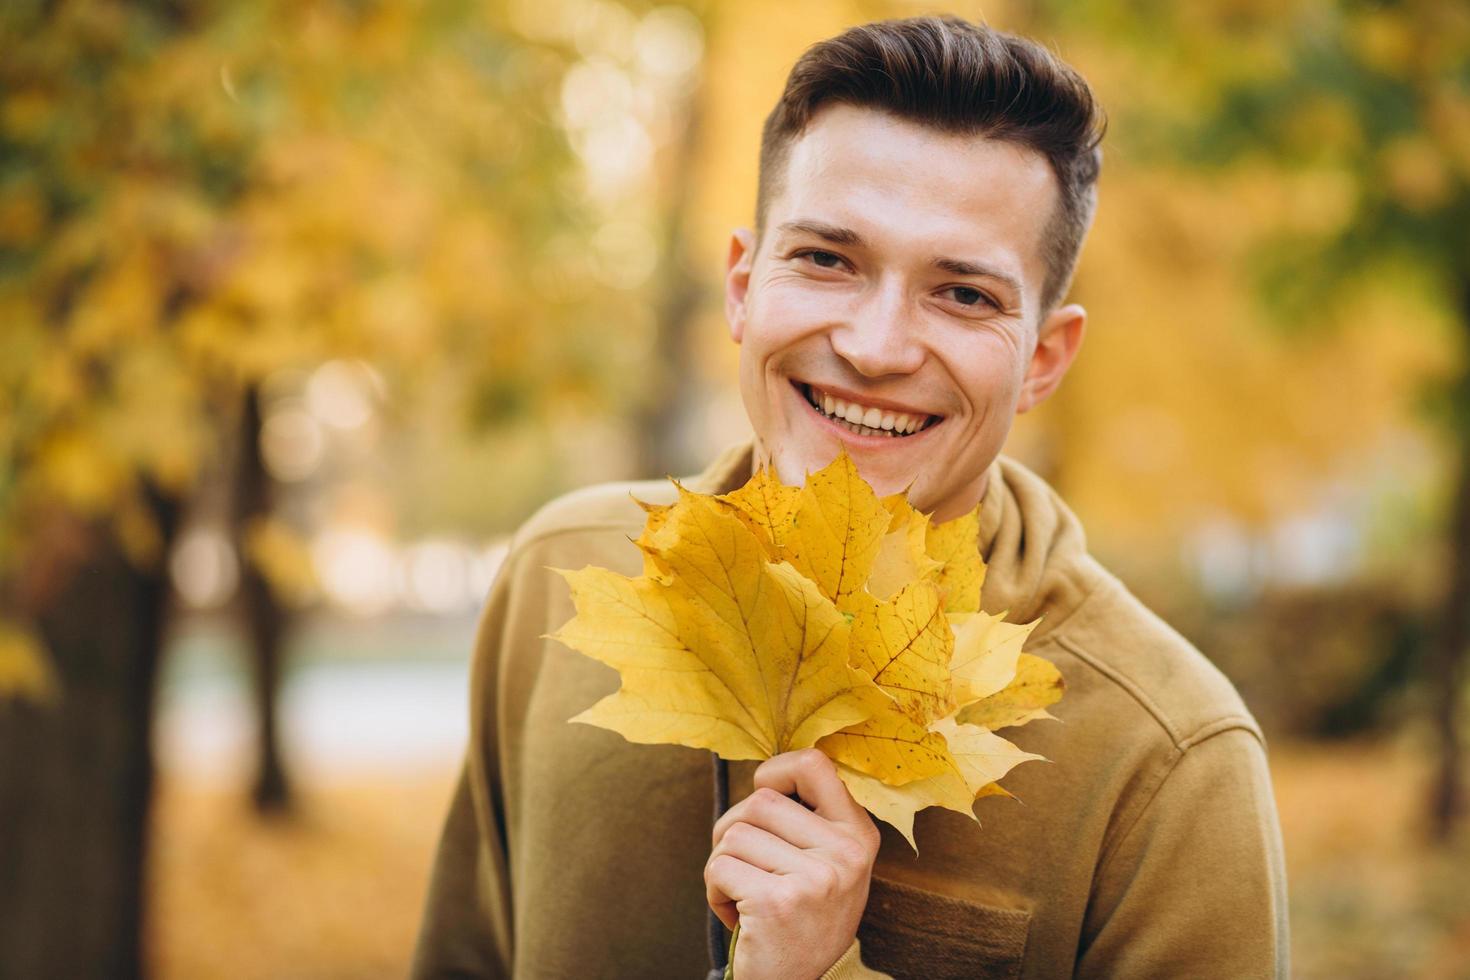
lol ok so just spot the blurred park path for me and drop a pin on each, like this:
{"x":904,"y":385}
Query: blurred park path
{"x":382,"y":697}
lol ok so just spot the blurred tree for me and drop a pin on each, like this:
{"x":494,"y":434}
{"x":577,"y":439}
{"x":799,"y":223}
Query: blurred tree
{"x":1364,"y":109}
{"x":264,"y":615}
{"x":196,"y":198}
{"x":666,"y":444}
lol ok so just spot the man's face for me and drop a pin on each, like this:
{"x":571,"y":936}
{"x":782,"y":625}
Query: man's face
{"x":897,"y":283}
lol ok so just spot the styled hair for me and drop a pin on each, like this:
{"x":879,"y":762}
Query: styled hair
{"x":961,"y":78}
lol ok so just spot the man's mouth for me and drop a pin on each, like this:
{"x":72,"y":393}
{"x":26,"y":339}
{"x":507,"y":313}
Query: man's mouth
{"x":865,"y":420}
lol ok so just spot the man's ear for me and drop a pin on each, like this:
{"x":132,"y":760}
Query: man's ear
{"x":1057,"y":341}
{"x":737,"y":280}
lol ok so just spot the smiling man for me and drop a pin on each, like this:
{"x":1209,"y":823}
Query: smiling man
{"x":898,"y":301}
{"x":925,"y":188}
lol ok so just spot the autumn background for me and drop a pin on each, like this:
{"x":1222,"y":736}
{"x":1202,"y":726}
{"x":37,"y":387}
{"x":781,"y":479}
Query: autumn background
{"x":303,"y":306}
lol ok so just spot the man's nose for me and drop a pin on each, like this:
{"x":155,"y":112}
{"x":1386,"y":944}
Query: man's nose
{"x":879,"y":335}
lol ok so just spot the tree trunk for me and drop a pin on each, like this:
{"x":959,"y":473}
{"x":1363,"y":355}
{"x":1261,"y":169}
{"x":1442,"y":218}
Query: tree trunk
{"x":665,"y":442}
{"x":76,"y":776}
{"x":1447,"y":801}
{"x":264,"y":619}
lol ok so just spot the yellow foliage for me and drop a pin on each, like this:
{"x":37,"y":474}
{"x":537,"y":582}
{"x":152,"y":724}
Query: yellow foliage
{"x":835,"y":532}
{"x":903,"y":644}
{"x":22,"y":214}
{"x":1037,"y":685}
{"x":774,"y":618}
{"x":954,"y":544}
{"x":296,"y":184}
{"x":137,"y":530}
{"x":1417,"y":173}
{"x":25,"y":669}
{"x":903,"y":554}
{"x":1384,"y":39}
{"x":151,"y":419}
{"x":767,"y":505}
{"x":78,"y":468}
{"x":986,"y":649}
{"x":56,"y":381}
{"x":732,"y":653}
{"x":978,"y":759}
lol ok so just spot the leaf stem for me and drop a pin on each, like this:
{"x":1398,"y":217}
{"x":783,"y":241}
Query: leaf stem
{"x":730,"y":961}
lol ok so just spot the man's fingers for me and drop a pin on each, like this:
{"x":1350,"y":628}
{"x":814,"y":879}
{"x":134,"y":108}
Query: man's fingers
{"x":773,"y":811}
{"x":726,"y":913}
{"x":763,"y":850}
{"x":811,"y":775}
{"x":775,"y":864}
{"x":727,"y":881}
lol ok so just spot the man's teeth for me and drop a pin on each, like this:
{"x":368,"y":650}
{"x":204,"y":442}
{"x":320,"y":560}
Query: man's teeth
{"x":865,"y":421}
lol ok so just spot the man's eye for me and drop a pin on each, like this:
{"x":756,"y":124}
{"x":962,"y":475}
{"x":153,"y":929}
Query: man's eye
{"x":826,"y":260}
{"x":970,"y":296}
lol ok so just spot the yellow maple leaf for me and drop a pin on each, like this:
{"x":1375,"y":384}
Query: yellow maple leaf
{"x":903,"y":555}
{"x":986,"y":650}
{"x":956,"y":546}
{"x":889,"y":746}
{"x":767,"y":506}
{"x":995,"y":685}
{"x":774,"y":618}
{"x":731,"y":653}
{"x":835,"y":531}
{"x":1037,"y":685}
{"x":658,"y":515}
{"x":979,"y":758}
{"x":904,"y":645}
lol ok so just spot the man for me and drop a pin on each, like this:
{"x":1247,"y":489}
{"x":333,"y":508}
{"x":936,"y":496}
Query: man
{"x":925,"y":188}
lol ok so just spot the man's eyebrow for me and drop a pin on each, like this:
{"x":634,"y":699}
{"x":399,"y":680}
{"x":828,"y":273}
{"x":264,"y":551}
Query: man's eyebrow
{"x":835,"y":234}
{"x":959,"y":267}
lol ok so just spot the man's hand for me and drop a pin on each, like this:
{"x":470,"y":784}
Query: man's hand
{"x":795,"y":879}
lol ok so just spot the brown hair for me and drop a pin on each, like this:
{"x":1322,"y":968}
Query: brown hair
{"x":960,"y":78}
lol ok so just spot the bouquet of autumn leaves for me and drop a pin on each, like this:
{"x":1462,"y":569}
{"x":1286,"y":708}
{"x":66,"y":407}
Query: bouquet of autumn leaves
{"x":775,"y":618}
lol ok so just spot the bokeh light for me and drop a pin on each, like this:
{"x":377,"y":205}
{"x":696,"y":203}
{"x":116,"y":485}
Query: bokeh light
{"x":204,"y":568}
{"x":292,"y":442}
{"x":357,"y":569}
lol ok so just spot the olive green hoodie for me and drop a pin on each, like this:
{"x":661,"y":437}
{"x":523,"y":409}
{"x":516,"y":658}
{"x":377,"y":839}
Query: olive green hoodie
{"x":1147,"y":846}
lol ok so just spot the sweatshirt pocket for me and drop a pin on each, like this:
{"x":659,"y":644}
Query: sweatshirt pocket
{"x":910,"y":932}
